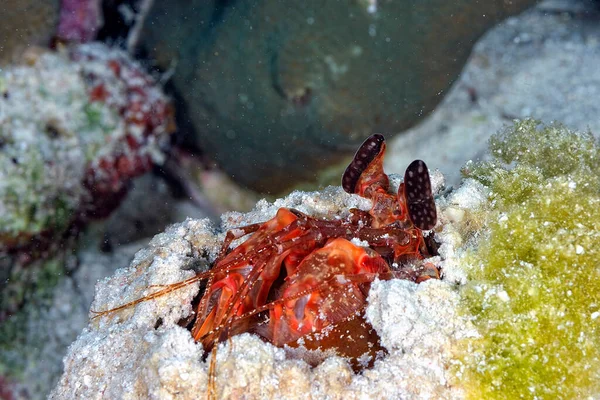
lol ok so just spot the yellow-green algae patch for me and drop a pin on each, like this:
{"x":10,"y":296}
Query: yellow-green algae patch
{"x":534,"y":278}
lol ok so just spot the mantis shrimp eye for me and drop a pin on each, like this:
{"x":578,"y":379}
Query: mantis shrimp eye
{"x":419,"y":198}
{"x":363,"y":157}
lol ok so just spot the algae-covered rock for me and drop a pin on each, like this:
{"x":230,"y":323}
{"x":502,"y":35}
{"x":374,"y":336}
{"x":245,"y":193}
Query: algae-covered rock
{"x":533,"y":281}
{"x":279,"y":90}
{"x":34,"y":339}
{"x":75,"y":127}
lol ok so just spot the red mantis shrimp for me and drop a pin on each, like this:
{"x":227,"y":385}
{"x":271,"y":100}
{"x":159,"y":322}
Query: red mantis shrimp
{"x":326,"y":277}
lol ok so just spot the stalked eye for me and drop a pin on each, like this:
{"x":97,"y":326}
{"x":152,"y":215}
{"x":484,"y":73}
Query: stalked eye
{"x":363,"y":157}
{"x":419,"y":198}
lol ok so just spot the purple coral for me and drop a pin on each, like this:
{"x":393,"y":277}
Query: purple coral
{"x":80,"y":20}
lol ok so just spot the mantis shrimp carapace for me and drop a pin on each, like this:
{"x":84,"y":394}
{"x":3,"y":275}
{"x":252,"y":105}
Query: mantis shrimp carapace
{"x":303,"y":280}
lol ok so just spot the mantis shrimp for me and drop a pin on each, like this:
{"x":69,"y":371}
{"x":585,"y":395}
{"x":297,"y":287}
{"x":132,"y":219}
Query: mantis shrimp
{"x":300,"y":280}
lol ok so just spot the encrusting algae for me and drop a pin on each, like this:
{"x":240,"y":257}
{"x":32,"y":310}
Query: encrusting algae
{"x":534,"y":279}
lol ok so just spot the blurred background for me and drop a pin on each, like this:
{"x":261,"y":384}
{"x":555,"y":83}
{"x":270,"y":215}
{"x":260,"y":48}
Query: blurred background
{"x":120,"y":117}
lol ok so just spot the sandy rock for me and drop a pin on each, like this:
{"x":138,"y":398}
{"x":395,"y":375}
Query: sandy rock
{"x":141,"y":352}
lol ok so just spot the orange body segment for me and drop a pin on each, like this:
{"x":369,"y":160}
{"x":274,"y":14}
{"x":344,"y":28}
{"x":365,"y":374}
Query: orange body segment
{"x":327,"y":276}
{"x":332,"y":283}
{"x":229,"y":294}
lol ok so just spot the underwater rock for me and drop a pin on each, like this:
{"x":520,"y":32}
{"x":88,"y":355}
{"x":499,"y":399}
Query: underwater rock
{"x":34,"y":339}
{"x":278,"y":91}
{"x":75,"y":127}
{"x":173,"y":31}
{"x":142,"y":351}
{"x":26,"y":23}
{"x":528,"y":66}
{"x":58,"y":292}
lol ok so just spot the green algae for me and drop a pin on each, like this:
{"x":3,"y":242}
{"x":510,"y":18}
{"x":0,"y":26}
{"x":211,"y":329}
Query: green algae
{"x":34,"y":201}
{"x":34,"y":287}
{"x":534,"y":278}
